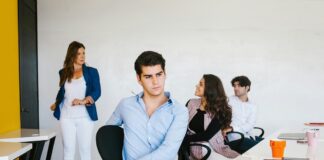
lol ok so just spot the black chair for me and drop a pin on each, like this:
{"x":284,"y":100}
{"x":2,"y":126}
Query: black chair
{"x":237,"y":143}
{"x":234,"y":144}
{"x":110,"y":141}
{"x":261,"y":130}
{"x":184,"y":152}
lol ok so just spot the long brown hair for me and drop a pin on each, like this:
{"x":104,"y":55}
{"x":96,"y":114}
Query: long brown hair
{"x":68,"y":67}
{"x":216,"y":100}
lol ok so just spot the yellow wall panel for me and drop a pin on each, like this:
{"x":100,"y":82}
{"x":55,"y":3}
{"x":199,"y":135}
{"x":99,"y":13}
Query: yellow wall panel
{"x":9,"y":66}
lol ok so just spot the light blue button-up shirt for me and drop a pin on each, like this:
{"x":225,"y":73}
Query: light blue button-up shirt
{"x":150,"y":138}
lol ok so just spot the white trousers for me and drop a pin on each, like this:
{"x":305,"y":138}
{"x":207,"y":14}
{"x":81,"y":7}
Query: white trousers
{"x":79,"y":129}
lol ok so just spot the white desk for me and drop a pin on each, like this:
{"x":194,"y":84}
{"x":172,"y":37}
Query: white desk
{"x":10,"y":151}
{"x":36,"y":136}
{"x":27,"y":135}
{"x":293,"y":149}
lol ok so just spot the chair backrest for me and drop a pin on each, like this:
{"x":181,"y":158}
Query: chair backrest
{"x":235,"y":139}
{"x":261,"y":132}
{"x":110,"y":141}
{"x":258,"y":132}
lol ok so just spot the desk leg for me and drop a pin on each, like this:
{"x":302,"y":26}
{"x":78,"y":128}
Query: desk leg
{"x":25,"y":156}
{"x":50,"y":148}
{"x":37,"y":150}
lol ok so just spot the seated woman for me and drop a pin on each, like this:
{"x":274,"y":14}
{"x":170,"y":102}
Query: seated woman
{"x":208,"y":116}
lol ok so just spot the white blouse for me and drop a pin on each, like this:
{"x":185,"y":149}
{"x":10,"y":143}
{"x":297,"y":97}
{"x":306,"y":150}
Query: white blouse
{"x":75,"y":89}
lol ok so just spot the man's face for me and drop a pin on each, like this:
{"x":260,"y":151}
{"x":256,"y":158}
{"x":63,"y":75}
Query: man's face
{"x":239,"y":90}
{"x":152,"y":80}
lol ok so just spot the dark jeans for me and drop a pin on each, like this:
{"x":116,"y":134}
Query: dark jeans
{"x":245,"y":145}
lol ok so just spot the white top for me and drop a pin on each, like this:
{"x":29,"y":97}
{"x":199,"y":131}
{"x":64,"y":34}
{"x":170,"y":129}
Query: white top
{"x":27,"y":135}
{"x":243,"y":116}
{"x":10,"y":151}
{"x":75,"y":89}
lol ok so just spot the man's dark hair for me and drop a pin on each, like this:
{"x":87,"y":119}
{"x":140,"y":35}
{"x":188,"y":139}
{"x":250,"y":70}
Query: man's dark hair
{"x":243,"y":81}
{"x":148,"y":58}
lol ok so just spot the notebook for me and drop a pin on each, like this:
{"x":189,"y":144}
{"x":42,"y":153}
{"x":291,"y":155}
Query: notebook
{"x":292,"y":136}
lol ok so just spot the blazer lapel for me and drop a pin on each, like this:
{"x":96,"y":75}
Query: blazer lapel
{"x":85,"y":73}
{"x":86,"y":77}
{"x":193,"y":106}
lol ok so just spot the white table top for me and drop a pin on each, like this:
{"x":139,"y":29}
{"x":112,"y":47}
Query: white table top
{"x":293,"y":149}
{"x":9,"y":151}
{"x":27,"y":135}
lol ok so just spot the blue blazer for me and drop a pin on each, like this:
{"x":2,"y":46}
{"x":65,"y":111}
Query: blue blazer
{"x":91,"y":77}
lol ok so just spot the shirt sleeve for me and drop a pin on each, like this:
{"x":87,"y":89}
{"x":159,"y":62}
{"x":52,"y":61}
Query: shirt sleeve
{"x":249,"y":123}
{"x":170,"y":146}
{"x":116,"y":117}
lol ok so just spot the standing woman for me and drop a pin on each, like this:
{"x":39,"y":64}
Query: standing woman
{"x":208,"y":116}
{"x":75,"y":106}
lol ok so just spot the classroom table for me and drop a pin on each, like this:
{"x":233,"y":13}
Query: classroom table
{"x":13,"y":150}
{"x":37,"y":137}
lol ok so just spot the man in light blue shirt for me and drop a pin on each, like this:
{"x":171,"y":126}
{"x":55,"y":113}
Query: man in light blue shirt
{"x":154,"y":123}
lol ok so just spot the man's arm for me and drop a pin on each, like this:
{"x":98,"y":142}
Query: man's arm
{"x":170,"y":146}
{"x":116,"y":118}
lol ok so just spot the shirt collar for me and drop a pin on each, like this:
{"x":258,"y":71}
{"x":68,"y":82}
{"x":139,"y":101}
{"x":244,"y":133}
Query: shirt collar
{"x":238,"y":99}
{"x":167,"y":94}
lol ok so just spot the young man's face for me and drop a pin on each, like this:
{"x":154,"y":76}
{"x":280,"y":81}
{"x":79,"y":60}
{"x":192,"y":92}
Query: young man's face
{"x":152,"y":80}
{"x":240,"y":90}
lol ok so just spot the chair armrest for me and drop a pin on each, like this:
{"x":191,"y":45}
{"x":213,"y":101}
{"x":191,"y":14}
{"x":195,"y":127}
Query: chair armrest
{"x":262,"y":131}
{"x":205,"y":146}
{"x":241,"y":139}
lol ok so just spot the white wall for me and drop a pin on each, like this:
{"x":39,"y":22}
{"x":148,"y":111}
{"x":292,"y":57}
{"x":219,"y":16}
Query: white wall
{"x":277,"y":43}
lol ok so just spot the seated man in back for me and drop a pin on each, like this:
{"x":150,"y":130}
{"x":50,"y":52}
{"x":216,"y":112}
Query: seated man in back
{"x":244,"y":114}
{"x":154,"y":123}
